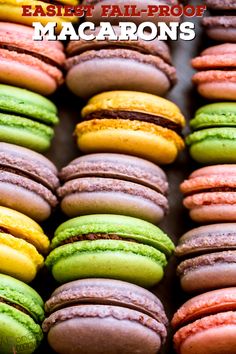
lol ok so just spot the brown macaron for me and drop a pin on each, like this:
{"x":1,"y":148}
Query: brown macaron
{"x":114,"y":184}
{"x":28,"y":182}
{"x":139,"y":66}
{"x":209,"y":254}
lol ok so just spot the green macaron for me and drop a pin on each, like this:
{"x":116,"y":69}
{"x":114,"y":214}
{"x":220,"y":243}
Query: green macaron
{"x":214,"y":134}
{"x":26,"y":118}
{"x":109,"y":246}
{"x":21,"y":313}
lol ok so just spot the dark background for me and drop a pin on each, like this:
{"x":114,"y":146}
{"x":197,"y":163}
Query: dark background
{"x":177,"y":222}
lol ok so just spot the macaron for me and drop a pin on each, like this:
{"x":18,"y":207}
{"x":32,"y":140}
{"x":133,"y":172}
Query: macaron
{"x":216,"y":77}
{"x":12,"y":11}
{"x":104,"y":316}
{"x":214,"y":131}
{"x":26,"y":118}
{"x":114,"y":184}
{"x":117,"y":247}
{"x":132,"y":123}
{"x":208,"y":257}
{"x":33,"y":65}
{"x":139,"y":66}
{"x":207,"y":324}
{"x":21,"y":314}
{"x":22,"y":245}
{"x":221,"y":24}
{"x":141,"y":11}
{"x":210,"y":194}
{"x":28,"y":182}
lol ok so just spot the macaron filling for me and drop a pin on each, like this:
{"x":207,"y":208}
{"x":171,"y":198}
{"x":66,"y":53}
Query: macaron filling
{"x":132,"y":115}
{"x":16,"y":306}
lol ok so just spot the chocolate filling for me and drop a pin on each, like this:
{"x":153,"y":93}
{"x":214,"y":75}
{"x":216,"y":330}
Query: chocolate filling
{"x":41,"y":57}
{"x":94,"y":237}
{"x":16,"y":306}
{"x":144,"y":117}
{"x":4,"y":230}
{"x":215,"y":189}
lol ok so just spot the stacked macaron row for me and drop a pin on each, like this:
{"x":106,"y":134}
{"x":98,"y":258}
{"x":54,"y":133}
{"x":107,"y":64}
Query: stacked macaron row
{"x":28,"y":183}
{"x":115,"y":194}
{"x":206,"y":323}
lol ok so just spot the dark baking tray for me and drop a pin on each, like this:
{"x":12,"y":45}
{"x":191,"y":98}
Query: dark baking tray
{"x":177,"y":221}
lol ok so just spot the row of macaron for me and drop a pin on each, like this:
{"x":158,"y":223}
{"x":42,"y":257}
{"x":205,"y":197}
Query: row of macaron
{"x":103,"y":315}
{"x":136,"y":251}
{"x":127,"y":122}
{"x":39,"y":66}
{"x":206,"y":323}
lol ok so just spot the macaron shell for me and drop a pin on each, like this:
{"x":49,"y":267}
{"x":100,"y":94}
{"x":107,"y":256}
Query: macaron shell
{"x":216,"y":85}
{"x":206,"y":239}
{"x":209,"y":271}
{"x":23,"y":333}
{"x":21,"y":226}
{"x":19,"y":258}
{"x":214,"y":213}
{"x":97,"y":73}
{"x":134,"y":102}
{"x":25,"y":201}
{"x":221,"y":28}
{"x":154,"y":47}
{"x":146,"y":140}
{"x":28,"y":72}
{"x":86,"y":203}
{"x":89,"y":326}
{"x":210,"y":335}
{"x":25,"y":132}
{"x":213,"y":145}
{"x":209,"y":303}
{"x":139,"y":264}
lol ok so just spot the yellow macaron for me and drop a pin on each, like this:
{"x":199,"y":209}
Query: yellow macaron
{"x":11,"y":11}
{"x":134,"y":123}
{"x":22,"y":243}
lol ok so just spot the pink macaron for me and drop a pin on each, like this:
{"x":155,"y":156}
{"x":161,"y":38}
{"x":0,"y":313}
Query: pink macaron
{"x":34,"y":65}
{"x":207,"y":324}
{"x":216,"y":76}
{"x":210,"y":194}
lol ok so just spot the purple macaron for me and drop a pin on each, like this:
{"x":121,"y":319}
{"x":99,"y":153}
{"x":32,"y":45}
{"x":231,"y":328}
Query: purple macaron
{"x":104,"y":316}
{"x":208,"y":257}
{"x":28,"y":181}
{"x":114,"y":184}
{"x":221,"y":24}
